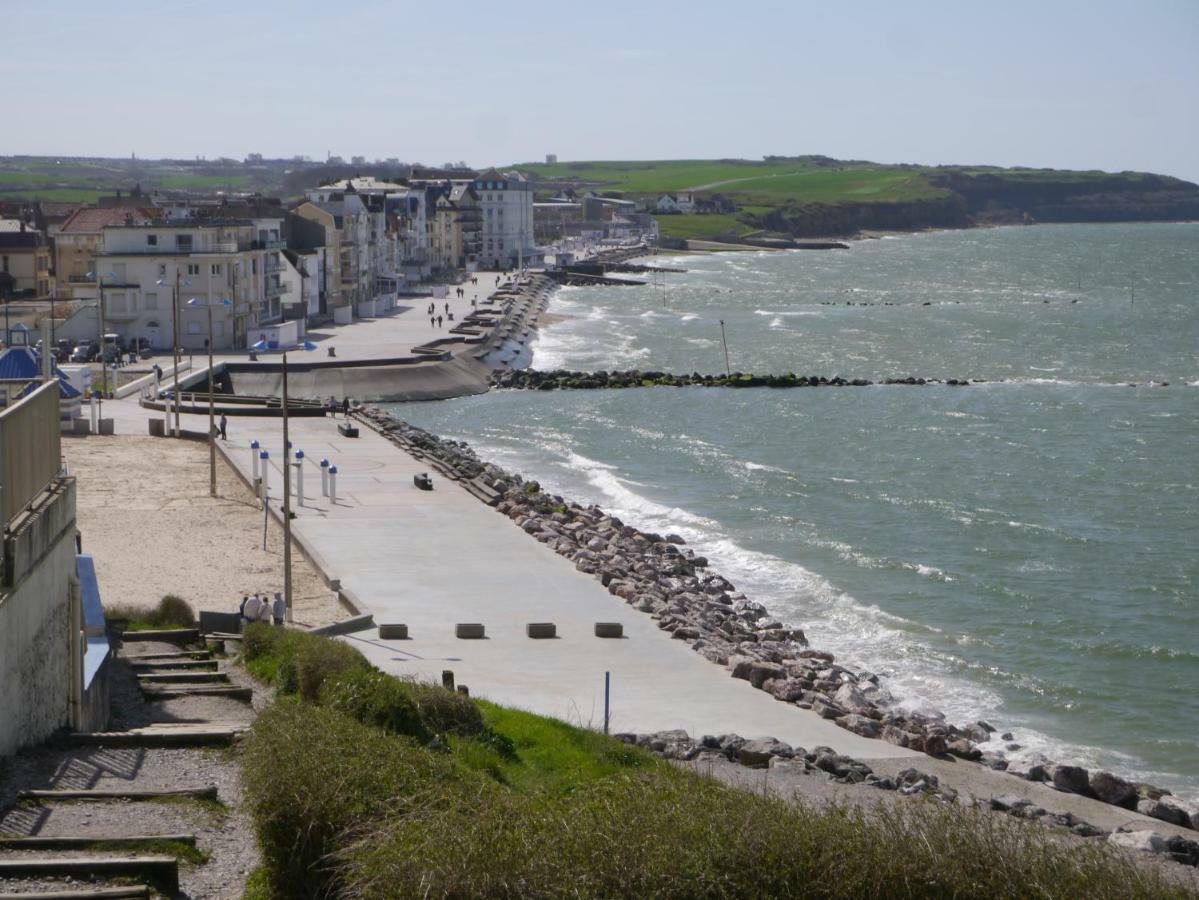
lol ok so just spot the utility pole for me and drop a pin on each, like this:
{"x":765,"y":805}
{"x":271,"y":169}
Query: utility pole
{"x":286,"y":500}
{"x":103,"y":350}
{"x":211,"y":429}
{"x":175,"y":345}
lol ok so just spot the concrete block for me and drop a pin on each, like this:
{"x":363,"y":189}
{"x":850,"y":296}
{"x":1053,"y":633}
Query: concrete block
{"x":468,"y":630}
{"x":346,"y":626}
{"x":219,"y":622}
{"x":609,"y":630}
{"x":541,"y":630}
{"x":393,"y":632}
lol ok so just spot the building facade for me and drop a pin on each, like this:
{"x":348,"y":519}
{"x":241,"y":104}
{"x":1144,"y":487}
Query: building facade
{"x":507,"y":218}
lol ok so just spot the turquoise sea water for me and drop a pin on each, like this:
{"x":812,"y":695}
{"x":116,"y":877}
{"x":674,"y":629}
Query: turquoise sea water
{"x":1025,"y":550}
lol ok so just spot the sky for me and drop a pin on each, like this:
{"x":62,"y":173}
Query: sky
{"x":1054,"y":83}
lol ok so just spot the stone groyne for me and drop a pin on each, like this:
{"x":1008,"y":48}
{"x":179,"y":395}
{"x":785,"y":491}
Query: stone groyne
{"x":661,"y":577}
{"x":561,"y":379}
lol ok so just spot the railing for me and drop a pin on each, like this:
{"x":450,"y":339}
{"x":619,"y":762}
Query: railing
{"x":81,"y":279}
{"x":269,"y":267}
{"x":30,"y":448}
{"x":276,"y":290}
{"x":278,"y":244}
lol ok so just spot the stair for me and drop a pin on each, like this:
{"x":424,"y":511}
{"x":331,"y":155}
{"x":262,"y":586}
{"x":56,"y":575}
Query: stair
{"x":208,"y":792}
{"x":172,"y":635}
{"x":89,"y":842}
{"x":181,"y":656}
{"x":174,"y":691}
{"x":191,"y":665}
{"x":183,"y":677}
{"x":162,"y":870}
{"x":117,"y":892}
{"x":164,"y":734}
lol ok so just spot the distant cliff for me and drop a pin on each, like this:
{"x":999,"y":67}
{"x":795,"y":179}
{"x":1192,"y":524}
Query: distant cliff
{"x":995,"y":197}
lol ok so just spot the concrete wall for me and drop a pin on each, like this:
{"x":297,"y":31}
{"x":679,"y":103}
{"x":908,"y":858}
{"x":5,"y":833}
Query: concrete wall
{"x":39,"y":620}
{"x":30,"y":448}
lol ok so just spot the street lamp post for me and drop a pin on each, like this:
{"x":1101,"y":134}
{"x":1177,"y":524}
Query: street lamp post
{"x":175,"y":338}
{"x":103,"y":349}
{"x":304,"y":345}
{"x":208,"y":305}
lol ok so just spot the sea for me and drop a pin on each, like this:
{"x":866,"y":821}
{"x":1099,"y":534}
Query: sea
{"x":1023,"y":550}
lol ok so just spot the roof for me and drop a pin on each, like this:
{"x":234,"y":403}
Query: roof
{"x":90,"y":219}
{"x":17,"y":239}
{"x":24,"y":364}
{"x":13,"y":225}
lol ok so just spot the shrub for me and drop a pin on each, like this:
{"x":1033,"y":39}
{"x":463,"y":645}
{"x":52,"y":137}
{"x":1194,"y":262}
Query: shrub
{"x":374,"y":698}
{"x":295,"y":661}
{"x":445,"y":712}
{"x":175,"y":611}
{"x":171,"y":612}
{"x":311,"y":774}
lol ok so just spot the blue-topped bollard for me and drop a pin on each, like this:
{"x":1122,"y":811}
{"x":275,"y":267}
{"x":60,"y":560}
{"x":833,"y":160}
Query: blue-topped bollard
{"x":324,"y":478}
{"x":263,"y":456}
{"x":254,"y":448}
{"x":299,"y":464}
{"x":332,"y":484}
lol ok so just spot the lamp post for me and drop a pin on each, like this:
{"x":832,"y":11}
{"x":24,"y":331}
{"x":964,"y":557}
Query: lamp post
{"x":175,"y":338}
{"x":304,"y":345}
{"x":103,"y":349}
{"x":208,"y":305}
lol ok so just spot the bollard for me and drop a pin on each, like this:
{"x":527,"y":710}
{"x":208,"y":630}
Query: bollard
{"x":166,"y":416}
{"x":263,"y":455}
{"x":94,"y":411}
{"x":299,"y":464}
{"x":254,"y":448}
{"x":447,"y":679}
{"x":463,"y":690}
{"x":324,"y":478}
{"x":332,"y":484}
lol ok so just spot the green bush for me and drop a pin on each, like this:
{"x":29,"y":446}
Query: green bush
{"x":312,"y":774}
{"x":445,"y":712}
{"x":374,"y":698}
{"x":295,"y":661}
{"x":171,"y":612}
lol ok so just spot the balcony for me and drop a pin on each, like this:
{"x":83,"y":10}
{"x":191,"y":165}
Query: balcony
{"x":81,"y":279}
{"x":276,"y":290}
{"x":274,"y":244}
{"x":269,"y":267}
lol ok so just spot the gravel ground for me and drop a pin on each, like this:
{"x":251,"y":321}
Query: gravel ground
{"x":223,"y":832}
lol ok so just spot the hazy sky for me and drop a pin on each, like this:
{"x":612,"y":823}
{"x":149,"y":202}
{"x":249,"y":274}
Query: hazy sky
{"x":1094,"y":84}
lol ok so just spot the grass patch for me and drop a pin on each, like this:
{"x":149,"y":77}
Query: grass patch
{"x":388,"y":788}
{"x":295,"y":661}
{"x":696,"y":227}
{"x":171,"y":612}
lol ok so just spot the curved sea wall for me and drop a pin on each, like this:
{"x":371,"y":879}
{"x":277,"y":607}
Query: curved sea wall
{"x":661,"y":577}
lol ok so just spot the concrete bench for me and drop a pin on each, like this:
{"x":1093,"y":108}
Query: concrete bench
{"x":393,"y":632}
{"x":609,"y":630}
{"x":348,"y":430}
{"x":541,"y":630}
{"x":469,"y":631}
{"x":423,"y":481}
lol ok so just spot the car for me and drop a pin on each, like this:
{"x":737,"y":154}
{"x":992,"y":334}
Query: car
{"x":84,"y":353}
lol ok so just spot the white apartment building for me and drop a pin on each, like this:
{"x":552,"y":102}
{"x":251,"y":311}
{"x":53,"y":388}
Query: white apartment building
{"x":208,"y":259}
{"x":507,"y":204}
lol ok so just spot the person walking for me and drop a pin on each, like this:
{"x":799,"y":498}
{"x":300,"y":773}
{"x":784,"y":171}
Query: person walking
{"x":345,"y":406}
{"x":439,"y":325}
{"x":432,"y":321}
{"x":224,"y":425}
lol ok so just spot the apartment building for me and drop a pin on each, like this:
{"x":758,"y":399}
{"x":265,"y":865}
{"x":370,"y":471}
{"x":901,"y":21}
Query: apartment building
{"x":455,"y":232}
{"x":207,"y":259}
{"x":507,"y":204}
{"x":80,"y":238}
{"x":24,"y":260}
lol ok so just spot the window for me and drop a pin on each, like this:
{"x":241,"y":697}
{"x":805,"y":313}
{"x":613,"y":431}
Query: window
{"x":116,"y":302}
{"x":193,"y":269}
{"x":151,"y":240}
{"x":218,"y":329}
{"x":216,"y":268}
{"x":193,"y":327}
{"x":254,"y":266}
{"x":151,"y":300}
{"x":6,"y":264}
{"x":162,"y":270}
{"x":183,"y":243}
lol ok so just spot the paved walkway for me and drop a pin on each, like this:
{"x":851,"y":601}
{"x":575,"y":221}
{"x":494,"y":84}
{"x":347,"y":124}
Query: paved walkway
{"x":434,"y":559}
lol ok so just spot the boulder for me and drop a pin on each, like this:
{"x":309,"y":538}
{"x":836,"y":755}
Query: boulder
{"x":761,"y":672}
{"x":739,"y":666}
{"x":1183,"y":850}
{"x":849,"y":697}
{"x":1141,"y":841}
{"x":786,"y":689}
{"x":1009,"y":803}
{"x":756,"y":754}
{"x":1032,"y":768}
{"x":1164,"y":810}
{"x":1114,"y":790}
{"x":963,"y":749}
{"x":862,"y":725}
{"x":935,"y":744}
{"x":1074,"y":779}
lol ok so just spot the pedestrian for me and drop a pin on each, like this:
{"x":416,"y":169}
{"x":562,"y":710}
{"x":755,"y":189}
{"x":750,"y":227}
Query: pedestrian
{"x":432,"y":321}
{"x":224,"y":426}
{"x":447,"y":306}
{"x":251,"y":609}
{"x":439,"y":321}
{"x":345,"y":406}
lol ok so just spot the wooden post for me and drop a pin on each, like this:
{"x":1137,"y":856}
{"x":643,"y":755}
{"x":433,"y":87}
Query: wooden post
{"x":447,"y":679}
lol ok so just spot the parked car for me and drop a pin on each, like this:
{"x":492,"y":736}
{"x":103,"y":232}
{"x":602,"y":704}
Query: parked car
{"x":85,"y":352}
{"x":62,"y":349}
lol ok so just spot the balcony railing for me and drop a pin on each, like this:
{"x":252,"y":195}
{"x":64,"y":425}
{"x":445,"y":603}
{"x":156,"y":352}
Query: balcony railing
{"x":269,"y":267}
{"x":275,"y":244}
{"x":81,"y":279}
{"x":276,"y":290}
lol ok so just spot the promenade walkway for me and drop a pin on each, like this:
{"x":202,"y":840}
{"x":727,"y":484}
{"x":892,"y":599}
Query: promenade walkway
{"x":434,"y":559}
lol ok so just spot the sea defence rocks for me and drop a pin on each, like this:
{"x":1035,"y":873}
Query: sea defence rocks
{"x":660,"y":576}
{"x":561,"y":379}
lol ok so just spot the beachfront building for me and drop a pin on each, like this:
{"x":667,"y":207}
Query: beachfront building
{"x":210,"y":259}
{"x":80,"y":238}
{"x":24,"y":261}
{"x":456,"y":228}
{"x":507,"y":203}
{"x":304,"y":275}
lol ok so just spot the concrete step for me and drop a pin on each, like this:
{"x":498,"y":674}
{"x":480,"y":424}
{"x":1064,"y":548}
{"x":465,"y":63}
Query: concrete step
{"x":162,"y":870}
{"x":208,"y":792}
{"x":181,"y":656}
{"x":172,"y":635}
{"x":164,"y":734}
{"x":190,"y":665}
{"x":90,"y":841}
{"x":173,"y":691}
{"x":183,"y":677}
{"x":116,"y":892}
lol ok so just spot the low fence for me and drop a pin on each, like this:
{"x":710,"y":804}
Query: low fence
{"x":30,"y":449}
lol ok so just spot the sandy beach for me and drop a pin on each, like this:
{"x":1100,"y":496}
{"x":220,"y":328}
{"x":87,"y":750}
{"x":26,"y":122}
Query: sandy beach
{"x":145,"y":514}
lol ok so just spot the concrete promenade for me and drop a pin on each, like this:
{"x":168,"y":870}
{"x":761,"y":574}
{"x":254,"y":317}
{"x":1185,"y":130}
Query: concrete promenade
{"x":434,"y":559}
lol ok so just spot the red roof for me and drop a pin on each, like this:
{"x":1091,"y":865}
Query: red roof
{"x":91,"y":219}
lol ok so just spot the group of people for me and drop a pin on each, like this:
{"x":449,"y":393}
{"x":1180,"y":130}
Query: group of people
{"x":260,"y":608}
{"x":331,"y":405}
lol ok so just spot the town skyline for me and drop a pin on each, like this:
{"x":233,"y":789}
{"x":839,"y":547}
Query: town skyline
{"x":930,"y":84}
